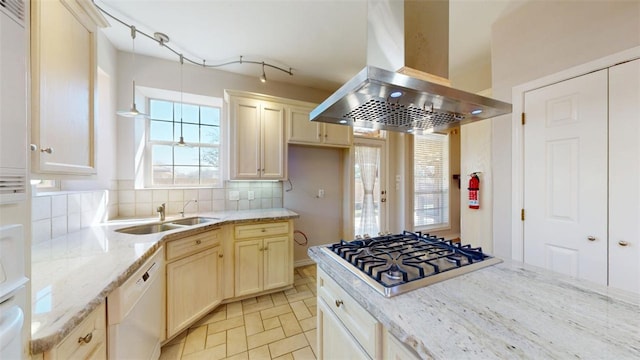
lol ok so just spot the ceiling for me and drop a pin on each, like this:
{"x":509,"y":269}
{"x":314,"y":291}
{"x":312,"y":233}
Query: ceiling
{"x":322,"y":41}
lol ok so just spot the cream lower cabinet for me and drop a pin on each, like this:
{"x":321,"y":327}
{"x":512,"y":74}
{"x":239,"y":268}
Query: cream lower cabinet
{"x":347,"y":331}
{"x":300,"y":130}
{"x":87,"y":341}
{"x":194,"y":279}
{"x":263,"y":257}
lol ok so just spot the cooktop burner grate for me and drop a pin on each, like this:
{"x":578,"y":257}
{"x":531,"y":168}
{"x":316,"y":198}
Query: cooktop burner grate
{"x":401,"y":262}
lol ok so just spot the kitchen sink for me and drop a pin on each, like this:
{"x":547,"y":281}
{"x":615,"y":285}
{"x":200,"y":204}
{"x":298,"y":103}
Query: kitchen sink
{"x":193,"y":221}
{"x":148,"y":229}
{"x":166,"y":226}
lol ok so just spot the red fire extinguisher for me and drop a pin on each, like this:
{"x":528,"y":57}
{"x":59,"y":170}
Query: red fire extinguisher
{"x":474,"y":192}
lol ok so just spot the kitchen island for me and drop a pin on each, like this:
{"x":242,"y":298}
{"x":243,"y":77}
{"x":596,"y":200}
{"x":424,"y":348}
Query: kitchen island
{"x":505,"y":311}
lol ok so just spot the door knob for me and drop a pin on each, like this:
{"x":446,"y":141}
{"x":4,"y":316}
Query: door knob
{"x":591,"y":238}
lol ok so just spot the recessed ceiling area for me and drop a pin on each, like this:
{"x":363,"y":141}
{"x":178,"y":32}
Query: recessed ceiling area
{"x":322,"y":41}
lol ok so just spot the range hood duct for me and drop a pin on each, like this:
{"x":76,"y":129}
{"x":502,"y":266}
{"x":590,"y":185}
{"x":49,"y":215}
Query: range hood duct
{"x":411,"y":37}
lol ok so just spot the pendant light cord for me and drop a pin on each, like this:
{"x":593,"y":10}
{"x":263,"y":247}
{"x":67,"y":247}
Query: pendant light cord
{"x":181,"y":96}
{"x":162,"y":43}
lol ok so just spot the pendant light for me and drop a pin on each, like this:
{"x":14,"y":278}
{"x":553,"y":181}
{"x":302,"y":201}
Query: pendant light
{"x":181,"y":142}
{"x":133,"y":112}
{"x":263,"y":78}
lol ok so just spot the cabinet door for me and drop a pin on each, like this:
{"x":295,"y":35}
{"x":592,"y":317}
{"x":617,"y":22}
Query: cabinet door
{"x":249,"y":266}
{"x":301,"y":129}
{"x":624,"y":176}
{"x":334,"y":341}
{"x":63,"y":89}
{"x":13,"y":145}
{"x":339,"y":135}
{"x":245,"y":135}
{"x":193,"y":288}
{"x":273,"y":142}
{"x":277,"y":262}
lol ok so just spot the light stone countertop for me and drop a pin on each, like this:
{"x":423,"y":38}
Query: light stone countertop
{"x":506,"y":311}
{"x":72,"y":275}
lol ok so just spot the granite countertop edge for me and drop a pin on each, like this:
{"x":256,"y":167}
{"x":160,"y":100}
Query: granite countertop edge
{"x":47,"y":338}
{"x":505,"y":326}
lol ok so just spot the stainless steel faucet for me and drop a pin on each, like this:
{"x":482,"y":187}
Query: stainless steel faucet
{"x":161,"y":210}
{"x":185,"y":206}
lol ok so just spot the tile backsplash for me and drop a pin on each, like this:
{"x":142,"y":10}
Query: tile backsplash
{"x":56,"y":214}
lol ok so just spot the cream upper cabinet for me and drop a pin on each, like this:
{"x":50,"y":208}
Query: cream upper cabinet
{"x":257,"y":147}
{"x":263,"y":257}
{"x":300,"y":130}
{"x":63,"y":73}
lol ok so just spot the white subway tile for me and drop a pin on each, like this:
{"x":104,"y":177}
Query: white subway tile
{"x":126,"y":197}
{"x":217,"y":205}
{"x":218,"y":194}
{"x":41,"y":231}
{"x":41,"y":208}
{"x":74,"y":202}
{"x":126,"y":210}
{"x":204,"y":206}
{"x":176,"y":195}
{"x":58,"y":205}
{"x":58,"y":226}
{"x":144,"y":196}
{"x":204,"y":194}
{"x":144,"y":209}
{"x":160,"y":196}
{"x":266,"y":203}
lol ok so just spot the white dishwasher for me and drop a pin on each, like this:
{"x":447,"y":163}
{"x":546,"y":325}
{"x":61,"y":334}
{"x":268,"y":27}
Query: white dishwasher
{"x":134,"y":310}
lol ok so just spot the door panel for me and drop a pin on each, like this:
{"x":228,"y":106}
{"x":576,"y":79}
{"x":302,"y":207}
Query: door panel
{"x":624,"y":172}
{"x":565,"y":196}
{"x":273,"y":141}
{"x":277,"y":262}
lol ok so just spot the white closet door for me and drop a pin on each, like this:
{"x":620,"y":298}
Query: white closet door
{"x":624,"y":176}
{"x":565,"y":172}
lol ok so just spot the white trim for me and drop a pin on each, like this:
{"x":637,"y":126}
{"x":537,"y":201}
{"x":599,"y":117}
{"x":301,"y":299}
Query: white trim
{"x":517,"y":158}
{"x":304,"y":262}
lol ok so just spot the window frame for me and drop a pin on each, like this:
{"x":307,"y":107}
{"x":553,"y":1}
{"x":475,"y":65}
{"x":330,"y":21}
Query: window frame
{"x":190,"y":99}
{"x":442,"y":226}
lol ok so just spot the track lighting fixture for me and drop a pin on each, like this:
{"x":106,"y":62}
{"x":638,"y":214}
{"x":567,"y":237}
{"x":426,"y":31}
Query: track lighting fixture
{"x":133,"y":111}
{"x":162,"y":39}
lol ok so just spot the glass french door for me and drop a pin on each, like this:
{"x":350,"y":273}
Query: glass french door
{"x":369,"y":215}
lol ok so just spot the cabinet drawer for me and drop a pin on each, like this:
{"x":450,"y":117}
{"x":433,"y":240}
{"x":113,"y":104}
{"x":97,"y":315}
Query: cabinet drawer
{"x":193,"y":244}
{"x":364,"y":327}
{"x":93,"y":332}
{"x":261,"y":230}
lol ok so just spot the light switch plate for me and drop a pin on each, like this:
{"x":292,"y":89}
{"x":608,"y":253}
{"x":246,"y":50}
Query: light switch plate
{"x":234,"y":195}
{"x":251,"y":195}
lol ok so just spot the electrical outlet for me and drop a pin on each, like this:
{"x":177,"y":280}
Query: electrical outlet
{"x":251,"y":195}
{"x":320,"y":193}
{"x":234,"y":195}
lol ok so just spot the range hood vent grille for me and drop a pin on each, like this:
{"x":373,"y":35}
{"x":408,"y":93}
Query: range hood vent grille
{"x":400,"y":116}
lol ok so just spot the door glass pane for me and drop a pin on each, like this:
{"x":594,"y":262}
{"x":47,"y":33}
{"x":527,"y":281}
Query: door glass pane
{"x":367,"y":190}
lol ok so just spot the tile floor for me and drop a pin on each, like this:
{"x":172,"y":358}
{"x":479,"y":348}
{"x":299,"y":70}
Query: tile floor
{"x":281,"y":325}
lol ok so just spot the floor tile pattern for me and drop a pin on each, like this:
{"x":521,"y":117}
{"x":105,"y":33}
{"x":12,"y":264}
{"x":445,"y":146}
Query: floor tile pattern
{"x":279,"y":326}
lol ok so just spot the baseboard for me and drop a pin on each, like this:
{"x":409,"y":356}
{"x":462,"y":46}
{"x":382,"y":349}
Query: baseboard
{"x":303,"y":262}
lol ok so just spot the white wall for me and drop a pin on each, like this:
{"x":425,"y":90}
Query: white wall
{"x":320,"y":219}
{"x":540,"y":38}
{"x":165,"y":74}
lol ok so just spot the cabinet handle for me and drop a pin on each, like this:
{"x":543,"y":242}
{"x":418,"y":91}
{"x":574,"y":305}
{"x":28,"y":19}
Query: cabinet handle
{"x":591,"y":238}
{"x":623,"y":243}
{"x":198,"y":242}
{"x":339,"y":302}
{"x":261,"y":249}
{"x":325,"y":135}
{"x":48,"y":150}
{"x":86,"y":339}
{"x":263,"y":230}
{"x":266,"y":248}
{"x":220,"y":255}
{"x":33,"y":147}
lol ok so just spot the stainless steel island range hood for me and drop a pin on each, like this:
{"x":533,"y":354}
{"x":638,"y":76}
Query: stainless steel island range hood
{"x":407,"y":99}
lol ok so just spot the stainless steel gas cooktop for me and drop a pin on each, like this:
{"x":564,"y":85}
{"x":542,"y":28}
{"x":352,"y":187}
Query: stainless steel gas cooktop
{"x":397,"y":263}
